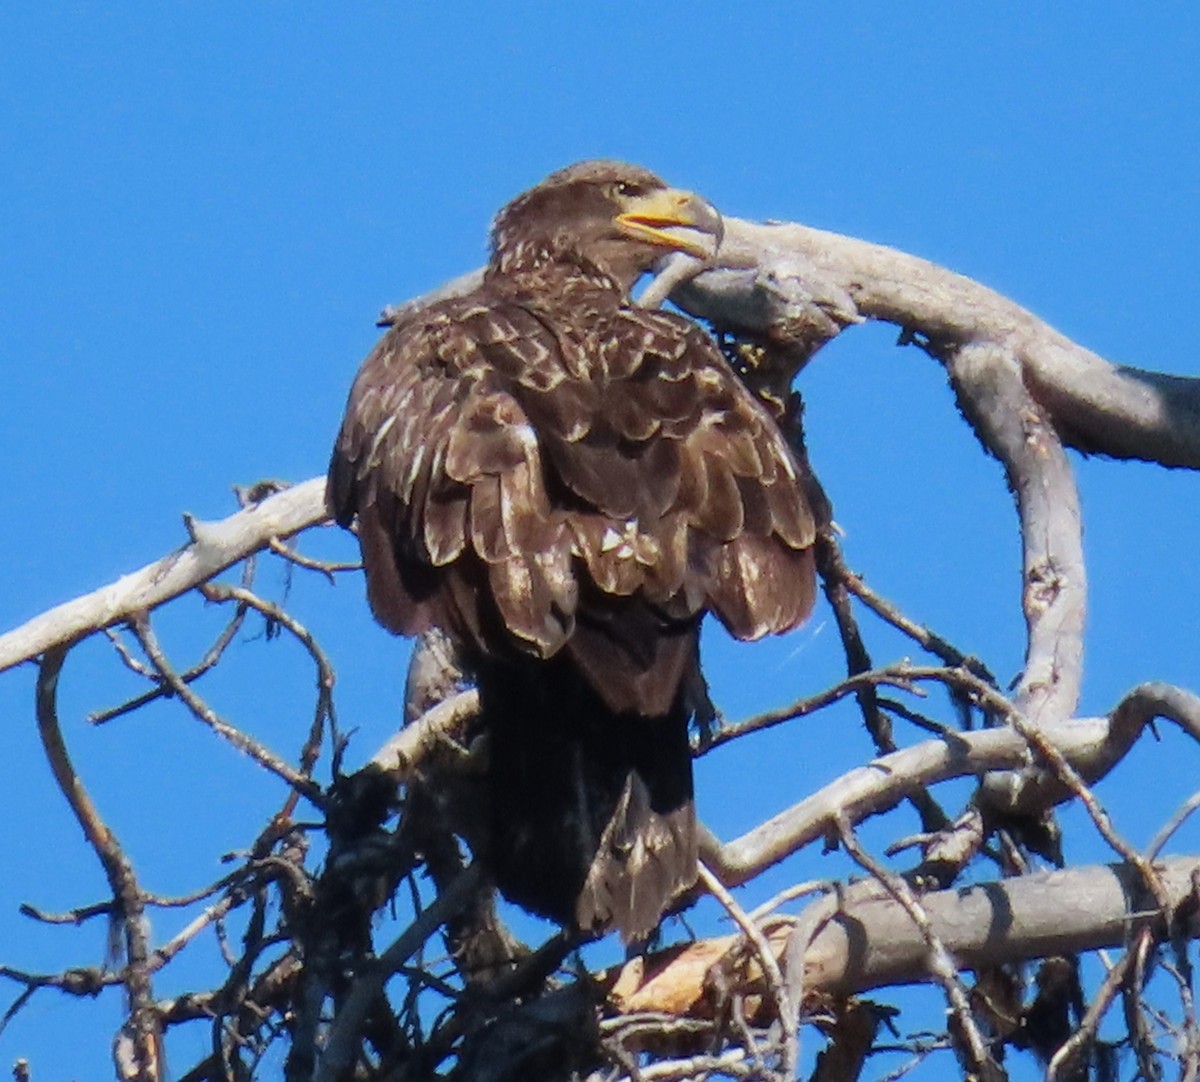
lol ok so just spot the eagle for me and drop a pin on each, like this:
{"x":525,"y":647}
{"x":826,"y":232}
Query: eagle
{"x":565,"y":484}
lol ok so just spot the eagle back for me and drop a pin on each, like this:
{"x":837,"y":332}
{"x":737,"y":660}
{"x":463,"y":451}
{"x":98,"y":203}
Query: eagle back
{"x":509,"y":458}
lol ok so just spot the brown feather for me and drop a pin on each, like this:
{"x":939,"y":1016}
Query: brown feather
{"x":629,"y":414}
{"x":567,"y":411}
{"x":488,"y":536}
{"x":565,"y":483}
{"x":659,"y":466}
{"x":720,"y":515}
{"x":597,"y":472}
{"x":445,"y":525}
{"x":762,"y":588}
{"x":489,"y":436}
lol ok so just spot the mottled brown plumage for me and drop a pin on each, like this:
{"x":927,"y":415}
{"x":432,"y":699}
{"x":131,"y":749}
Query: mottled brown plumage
{"x":566,"y":483}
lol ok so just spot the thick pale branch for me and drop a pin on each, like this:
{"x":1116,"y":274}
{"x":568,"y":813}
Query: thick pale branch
{"x":438,"y":724}
{"x":1098,"y":406}
{"x":1015,"y":428}
{"x":1026,"y":389}
{"x":882,"y":784}
{"x":215,"y":546}
{"x":867,"y":940}
{"x":1037,"y":788}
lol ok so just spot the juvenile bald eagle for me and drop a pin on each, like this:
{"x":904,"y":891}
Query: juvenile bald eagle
{"x":565,"y":484}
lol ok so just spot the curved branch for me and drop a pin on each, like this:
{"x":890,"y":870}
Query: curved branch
{"x":1098,"y":407}
{"x":1038,"y":788}
{"x":1026,"y":389}
{"x":1013,"y":426}
{"x":143,"y":1030}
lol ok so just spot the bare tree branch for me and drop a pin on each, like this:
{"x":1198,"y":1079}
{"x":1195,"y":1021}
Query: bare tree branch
{"x":785,"y":1009}
{"x":202,"y":711}
{"x":868,"y":940}
{"x":940,"y":961}
{"x":214,"y":547}
{"x":144,"y":1028}
{"x":1092,"y":747}
{"x":779,"y":291}
{"x":1025,"y":388}
{"x":1099,"y":406}
{"x":1015,"y":428}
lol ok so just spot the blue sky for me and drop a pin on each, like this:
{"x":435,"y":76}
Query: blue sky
{"x":203,"y":207}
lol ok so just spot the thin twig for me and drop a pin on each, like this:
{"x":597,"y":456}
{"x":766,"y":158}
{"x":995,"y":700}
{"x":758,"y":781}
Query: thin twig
{"x":74,"y":916}
{"x":328,"y":568}
{"x":1063,"y":1063}
{"x":941,"y":648}
{"x":240,"y":740}
{"x":790,"y":894}
{"x":1181,"y":815}
{"x":1188,"y":1042}
{"x":209,"y":660}
{"x":1136,"y":1026}
{"x":942,"y":966}
{"x":785,"y":1009}
{"x":84,"y":981}
{"x":133,"y":664}
{"x":695,"y":1067}
{"x":902,"y":676}
{"x":830,"y":567}
{"x":323,"y":712}
{"x":894,"y":706}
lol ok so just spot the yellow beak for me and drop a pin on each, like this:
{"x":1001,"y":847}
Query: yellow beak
{"x":649,"y":217}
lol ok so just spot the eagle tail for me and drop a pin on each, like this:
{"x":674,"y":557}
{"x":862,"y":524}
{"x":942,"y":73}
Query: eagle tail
{"x":592,"y":821}
{"x":644,"y":859}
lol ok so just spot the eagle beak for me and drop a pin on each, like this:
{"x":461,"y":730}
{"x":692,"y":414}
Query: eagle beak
{"x":649,"y":217}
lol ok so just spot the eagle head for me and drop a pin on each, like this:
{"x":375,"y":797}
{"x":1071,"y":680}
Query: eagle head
{"x":619,"y":217}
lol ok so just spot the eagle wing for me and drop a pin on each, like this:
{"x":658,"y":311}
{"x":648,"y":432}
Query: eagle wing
{"x":530,"y":486}
{"x":440,"y":465}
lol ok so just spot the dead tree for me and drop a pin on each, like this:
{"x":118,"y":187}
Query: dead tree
{"x":980,"y":913}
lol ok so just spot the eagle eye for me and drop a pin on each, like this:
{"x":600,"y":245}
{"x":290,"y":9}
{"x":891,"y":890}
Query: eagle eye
{"x":625,"y":189}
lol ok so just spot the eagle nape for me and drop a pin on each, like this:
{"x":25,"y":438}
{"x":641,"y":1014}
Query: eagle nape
{"x":565,"y":485}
